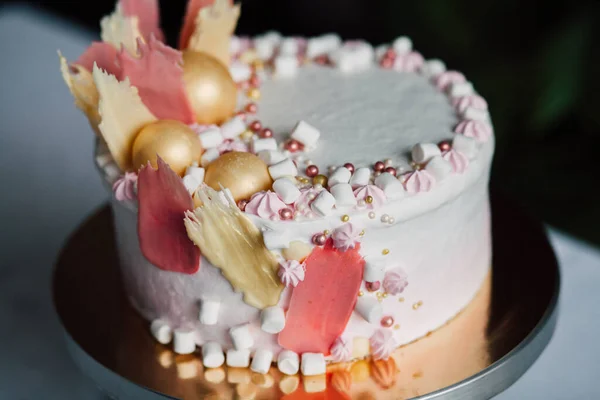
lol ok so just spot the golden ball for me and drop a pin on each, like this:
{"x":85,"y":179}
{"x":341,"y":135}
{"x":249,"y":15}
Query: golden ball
{"x":320,"y":180}
{"x":242,"y":173}
{"x":210,"y":87}
{"x":175,"y":142}
{"x":253,"y":93}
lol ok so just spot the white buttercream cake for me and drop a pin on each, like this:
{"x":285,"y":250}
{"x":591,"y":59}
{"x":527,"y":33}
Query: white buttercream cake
{"x":339,"y":211}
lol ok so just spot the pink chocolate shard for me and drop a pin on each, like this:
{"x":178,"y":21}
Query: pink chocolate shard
{"x":189,"y":22}
{"x":104,"y":55}
{"x":148,"y":13}
{"x":158,"y":76}
{"x":322,"y":304}
{"x":163,"y":201}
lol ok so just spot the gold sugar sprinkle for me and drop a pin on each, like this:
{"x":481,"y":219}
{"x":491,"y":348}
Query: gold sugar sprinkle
{"x":380,"y":299}
{"x":326,"y":232}
{"x":417,"y":375}
{"x":397,"y":326}
{"x":384,"y":295}
{"x":369,"y":199}
{"x":362,"y":233}
{"x":417,"y":305}
{"x":401,"y":299}
{"x":385,"y":252}
{"x":345,"y":218}
{"x":360,"y":293}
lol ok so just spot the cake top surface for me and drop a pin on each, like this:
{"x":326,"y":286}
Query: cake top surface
{"x":364,"y":117}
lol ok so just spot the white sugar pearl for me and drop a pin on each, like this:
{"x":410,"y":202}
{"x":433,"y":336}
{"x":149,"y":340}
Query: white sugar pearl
{"x":372,"y":215}
{"x":311,"y":196}
{"x":391,"y":220}
{"x":385,"y":218}
{"x":361,"y":203}
{"x":388,"y":162}
{"x":318,"y":186}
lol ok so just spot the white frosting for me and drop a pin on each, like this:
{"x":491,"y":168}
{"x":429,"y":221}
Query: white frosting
{"x":441,"y":238}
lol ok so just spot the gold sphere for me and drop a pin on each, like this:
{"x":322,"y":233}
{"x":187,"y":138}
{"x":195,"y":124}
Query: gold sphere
{"x":175,"y":142}
{"x":242,"y":173}
{"x":210,"y":87}
{"x":320,"y":180}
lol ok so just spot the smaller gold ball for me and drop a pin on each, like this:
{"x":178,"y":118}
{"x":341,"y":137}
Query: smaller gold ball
{"x":175,"y":142}
{"x":242,"y":173}
{"x":320,"y":180}
{"x":362,"y":233}
{"x":345,"y":218}
{"x":253,"y":93}
{"x":385,"y":252}
{"x":247,"y":134}
{"x":369,"y":199}
{"x":326,"y":232}
{"x":360,"y":293}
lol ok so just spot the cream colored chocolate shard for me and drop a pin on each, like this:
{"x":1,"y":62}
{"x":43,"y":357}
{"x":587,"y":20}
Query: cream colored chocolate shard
{"x":289,"y":384}
{"x":297,"y":251}
{"x":214,"y":26}
{"x":82,"y":87}
{"x":122,"y":115}
{"x":117,"y":29}
{"x":229,"y":240}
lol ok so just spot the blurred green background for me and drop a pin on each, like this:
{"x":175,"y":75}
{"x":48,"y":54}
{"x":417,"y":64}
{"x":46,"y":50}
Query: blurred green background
{"x":536,"y":62}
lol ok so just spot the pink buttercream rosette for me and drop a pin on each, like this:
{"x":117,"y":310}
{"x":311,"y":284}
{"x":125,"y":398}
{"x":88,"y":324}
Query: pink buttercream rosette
{"x":383,"y":344}
{"x":291,"y":272}
{"x":124,"y":187}
{"x":418,"y":181}
{"x":379,"y":197}
{"x":479,"y":130}
{"x":341,"y":350}
{"x":346,"y":236}
{"x":265,"y":205}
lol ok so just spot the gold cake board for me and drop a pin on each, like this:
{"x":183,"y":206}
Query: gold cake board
{"x":476,"y":355}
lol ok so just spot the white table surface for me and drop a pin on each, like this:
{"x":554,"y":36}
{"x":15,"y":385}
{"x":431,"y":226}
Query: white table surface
{"x":49,"y":185}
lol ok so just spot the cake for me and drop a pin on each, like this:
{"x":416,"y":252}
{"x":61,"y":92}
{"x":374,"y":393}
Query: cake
{"x":287,"y":200}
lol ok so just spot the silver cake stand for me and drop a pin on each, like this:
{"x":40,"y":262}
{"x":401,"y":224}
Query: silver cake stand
{"x":478,"y":354}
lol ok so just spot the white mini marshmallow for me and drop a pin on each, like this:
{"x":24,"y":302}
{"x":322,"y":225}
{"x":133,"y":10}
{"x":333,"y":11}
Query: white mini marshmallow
{"x":272,"y":36}
{"x":286,"y":66}
{"x":239,"y":71}
{"x":272,"y":319}
{"x":466,"y":145}
{"x":340,"y":175}
{"x":211,"y":138}
{"x":241,"y":337}
{"x":459,"y":89}
{"x":381,"y":50}
{"x":355,"y":58}
{"x":306,"y":134}
{"x":283,"y":168}
{"x":197,"y":172}
{"x":209,"y":312}
{"x":374,"y":270}
{"x":212,"y":355}
{"x":209,"y":156}
{"x":184,"y":341}
{"x":433,"y":67}
{"x":360,"y":177}
{"x":322,"y":45}
{"x":287,"y":191}
{"x":276,"y":240}
{"x":476,"y":114}
{"x":344,"y":195}
{"x":161,"y":331}
{"x":190,"y":183}
{"x":323,"y":204}
{"x":112,"y":171}
{"x":439,"y":168}
{"x":261,"y":362}
{"x":288,"y":362}
{"x":271,"y":157}
{"x":288,"y":47}
{"x":264,"y":144}
{"x":103,"y":159}
{"x":402,"y":45}
{"x":233,"y":128}
{"x":264,"y":48}
{"x":390,"y":185}
{"x":313,"y":364}
{"x":424,"y":152}
{"x":369,"y":308}
{"x":238,"y":358}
